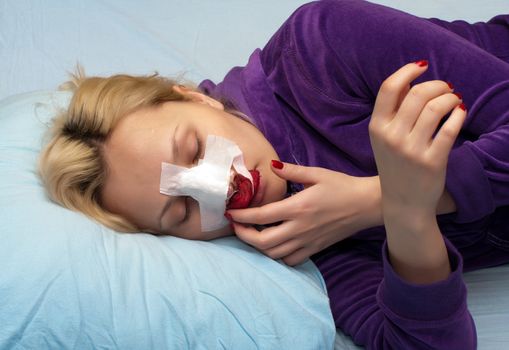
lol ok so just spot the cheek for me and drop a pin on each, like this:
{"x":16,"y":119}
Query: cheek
{"x":192,"y":229}
{"x":225,"y":231}
{"x":194,"y":232}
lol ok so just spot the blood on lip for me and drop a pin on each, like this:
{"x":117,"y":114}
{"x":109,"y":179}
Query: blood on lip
{"x":245,"y":190}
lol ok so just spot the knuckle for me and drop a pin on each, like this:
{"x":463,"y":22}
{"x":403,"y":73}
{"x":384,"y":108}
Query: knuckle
{"x":407,"y":151}
{"x":393,"y":141}
{"x":374,"y":128}
{"x":302,"y":208}
{"x":389,"y":86}
{"x":412,"y":152}
{"x":417,"y":91}
{"x":263,"y":243}
{"x":433,"y":107}
{"x":270,"y":253}
{"x":424,"y":160}
{"x":290,"y":261}
{"x":447,"y":133}
{"x":239,"y":231}
{"x":435,"y":166}
{"x":421,"y":161}
{"x":428,"y":164}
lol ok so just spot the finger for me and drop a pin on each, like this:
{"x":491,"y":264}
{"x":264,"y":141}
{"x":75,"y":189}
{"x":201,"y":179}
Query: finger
{"x":431,"y":115}
{"x":415,"y":101}
{"x":298,"y":257}
{"x":267,"y":238}
{"x":444,"y":139}
{"x":266,"y":214}
{"x":295,"y":173}
{"x":283,"y":249}
{"x":247,"y":234}
{"x":389,"y":96}
{"x":402,"y":96}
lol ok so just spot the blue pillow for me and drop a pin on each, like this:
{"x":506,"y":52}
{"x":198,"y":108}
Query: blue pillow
{"x":68,"y":282}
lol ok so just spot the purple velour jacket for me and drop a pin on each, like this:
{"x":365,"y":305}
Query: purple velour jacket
{"x":311,"y":92}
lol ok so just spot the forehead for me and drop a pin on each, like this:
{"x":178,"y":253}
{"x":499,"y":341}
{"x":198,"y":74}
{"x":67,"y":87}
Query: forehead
{"x":139,"y":143}
{"x":133,"y":154}
{"x":141,"y":126}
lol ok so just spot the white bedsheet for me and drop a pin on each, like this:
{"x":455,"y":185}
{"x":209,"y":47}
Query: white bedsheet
{"x":41,"y":40}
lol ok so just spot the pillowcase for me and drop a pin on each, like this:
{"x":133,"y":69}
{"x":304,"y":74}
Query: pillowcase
{"x":68,"y":282}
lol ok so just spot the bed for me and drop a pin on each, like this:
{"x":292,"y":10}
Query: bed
{"x":68,"y":282}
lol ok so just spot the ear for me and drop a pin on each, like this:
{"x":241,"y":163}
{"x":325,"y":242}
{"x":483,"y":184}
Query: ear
{"x":196,"y":96}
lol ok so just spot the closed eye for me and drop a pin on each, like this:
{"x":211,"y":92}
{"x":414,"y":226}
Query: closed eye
{"x":187,"y":210}
{"x":198,"y":149}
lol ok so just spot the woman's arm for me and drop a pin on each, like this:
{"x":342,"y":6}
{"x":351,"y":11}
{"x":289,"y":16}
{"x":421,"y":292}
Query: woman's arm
{"x":380,"y":310}
{"x":416,"y":299}
{"x":414,"y":296}
{"x":411,"y":153}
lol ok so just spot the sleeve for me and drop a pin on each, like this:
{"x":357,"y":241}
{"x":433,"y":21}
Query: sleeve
{"x":492,"y":36}
{"x":342,"y":50}
{"x":379,"y":310}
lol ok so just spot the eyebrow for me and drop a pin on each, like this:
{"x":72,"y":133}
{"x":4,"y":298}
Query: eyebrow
{"x":175,"y":151}
{"x":175,"y":146}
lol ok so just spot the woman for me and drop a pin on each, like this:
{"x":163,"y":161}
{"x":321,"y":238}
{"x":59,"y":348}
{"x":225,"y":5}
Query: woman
{"x":323,"y":94}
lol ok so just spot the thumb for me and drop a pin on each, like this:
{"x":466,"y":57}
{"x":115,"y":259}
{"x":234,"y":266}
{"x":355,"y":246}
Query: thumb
{"x":295,"y":173}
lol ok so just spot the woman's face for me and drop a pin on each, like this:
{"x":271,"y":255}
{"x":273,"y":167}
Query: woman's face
{"x":176,"y":132}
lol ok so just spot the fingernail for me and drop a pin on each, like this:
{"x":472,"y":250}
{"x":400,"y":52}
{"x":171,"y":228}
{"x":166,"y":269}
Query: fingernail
{"x":228,"y":216}
{"x":462,"y":106}
{"x":277,"y":164}
{"x":460,"y":96}
{"x":450,"y":85}
{"x":422,"y":63}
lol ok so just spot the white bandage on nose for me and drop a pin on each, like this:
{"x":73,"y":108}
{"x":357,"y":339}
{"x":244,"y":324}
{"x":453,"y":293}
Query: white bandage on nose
{"x":207,"y":182}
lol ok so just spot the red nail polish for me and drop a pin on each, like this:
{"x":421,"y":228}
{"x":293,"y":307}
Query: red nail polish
{"x":462,"y":106}
{"x":228,"y":216}
{"x":460,"y":96}
{"x":422,"y":63}
{"x":450,"y":85}
{"x":277,"y":164}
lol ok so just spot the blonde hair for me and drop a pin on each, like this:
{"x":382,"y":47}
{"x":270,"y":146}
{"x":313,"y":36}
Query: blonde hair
{"x":71,"y":165}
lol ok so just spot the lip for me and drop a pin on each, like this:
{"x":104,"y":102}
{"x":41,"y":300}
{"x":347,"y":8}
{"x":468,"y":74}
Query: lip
{"x":241,"y":198}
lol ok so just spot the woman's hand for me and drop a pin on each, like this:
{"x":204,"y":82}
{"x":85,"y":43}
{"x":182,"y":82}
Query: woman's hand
{"x":411,"y":161}
{"x":411,"y":157}
{"x":332,"y":206}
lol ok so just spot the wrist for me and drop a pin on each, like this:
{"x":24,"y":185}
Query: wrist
{"x":408,"y":218}
{"x":417,"y":249}
{"x":372,"y":197}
